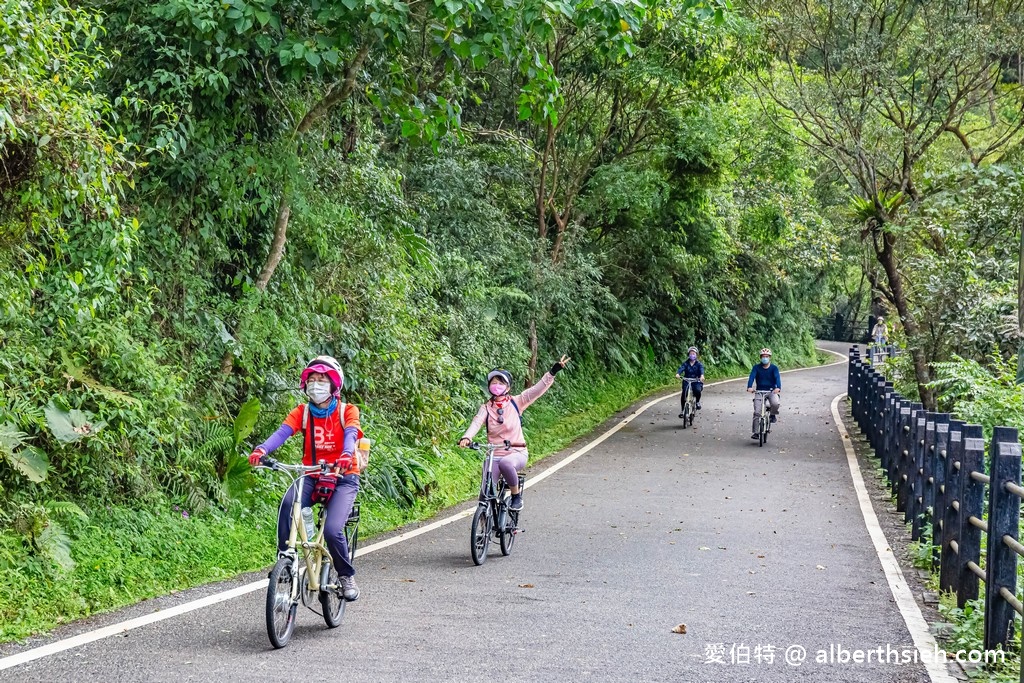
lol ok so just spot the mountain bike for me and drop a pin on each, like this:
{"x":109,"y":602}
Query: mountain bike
{"x":764,"y":419}
{"x":304,"y":571}
{"x":690,"y":406}
{"x":492,"y":516}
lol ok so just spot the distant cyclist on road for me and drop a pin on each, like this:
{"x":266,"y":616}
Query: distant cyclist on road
{"x":765,"y":376}
{"x":691,"y":369}
{"x":880,"y":331}
{"x":502,"y":417}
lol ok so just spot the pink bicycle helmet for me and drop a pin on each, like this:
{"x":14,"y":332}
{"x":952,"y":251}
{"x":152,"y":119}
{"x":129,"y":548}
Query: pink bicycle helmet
{"x":326,"y":365}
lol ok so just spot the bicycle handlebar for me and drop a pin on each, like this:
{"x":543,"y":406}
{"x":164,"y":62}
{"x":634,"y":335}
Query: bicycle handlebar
{"x":295,"y":471}
{"x":473,"y":445}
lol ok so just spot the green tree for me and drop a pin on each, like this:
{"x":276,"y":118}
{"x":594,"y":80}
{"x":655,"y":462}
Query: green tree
{"x":882,"y":91}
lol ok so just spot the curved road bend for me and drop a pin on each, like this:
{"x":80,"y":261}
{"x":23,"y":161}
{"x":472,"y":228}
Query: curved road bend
{"x":751,"y":548}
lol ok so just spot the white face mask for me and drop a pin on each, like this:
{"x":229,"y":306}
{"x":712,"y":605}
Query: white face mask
{"x":318,"y":391}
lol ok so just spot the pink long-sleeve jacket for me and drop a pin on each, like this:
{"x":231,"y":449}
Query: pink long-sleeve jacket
{"x":511,"y":429}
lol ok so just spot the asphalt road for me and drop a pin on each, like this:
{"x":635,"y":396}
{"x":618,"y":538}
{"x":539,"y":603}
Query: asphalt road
{"x":751,"y":548}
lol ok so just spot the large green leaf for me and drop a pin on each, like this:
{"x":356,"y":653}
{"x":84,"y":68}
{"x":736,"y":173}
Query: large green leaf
{"x":31,"y":462}
{"x":68,"y":426}
{"x":55,"y":544}
{"x":246,"y":420}
{"x":28,"y":460}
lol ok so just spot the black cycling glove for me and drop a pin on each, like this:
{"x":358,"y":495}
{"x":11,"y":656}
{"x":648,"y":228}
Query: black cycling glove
{"x":555,"y":368}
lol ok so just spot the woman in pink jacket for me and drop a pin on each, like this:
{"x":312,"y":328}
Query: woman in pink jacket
{"x":502,"y":416}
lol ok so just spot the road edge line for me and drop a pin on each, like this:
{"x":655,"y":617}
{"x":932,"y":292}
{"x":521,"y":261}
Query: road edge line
{"x":901,"y":593}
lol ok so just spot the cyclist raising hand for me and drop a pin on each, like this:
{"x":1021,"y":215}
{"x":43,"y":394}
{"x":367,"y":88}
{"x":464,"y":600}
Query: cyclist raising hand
{"x":502,"y":417}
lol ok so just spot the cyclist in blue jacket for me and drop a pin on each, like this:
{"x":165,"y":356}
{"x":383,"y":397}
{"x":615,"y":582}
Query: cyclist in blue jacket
{"x":691,"y":369}
{"x":766,"y":377}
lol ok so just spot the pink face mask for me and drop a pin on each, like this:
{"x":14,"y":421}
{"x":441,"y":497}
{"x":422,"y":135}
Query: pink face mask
{"x":497,"y":388}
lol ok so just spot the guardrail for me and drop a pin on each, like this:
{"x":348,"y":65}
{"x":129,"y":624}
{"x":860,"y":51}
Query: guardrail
{"x":936,"y":467}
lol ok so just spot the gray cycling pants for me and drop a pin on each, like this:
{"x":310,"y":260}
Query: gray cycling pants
{"x":773,"y":408}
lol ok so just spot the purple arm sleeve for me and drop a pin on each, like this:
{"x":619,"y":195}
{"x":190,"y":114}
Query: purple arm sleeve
{"x":349,"y":445}
{"x":283,"y":433}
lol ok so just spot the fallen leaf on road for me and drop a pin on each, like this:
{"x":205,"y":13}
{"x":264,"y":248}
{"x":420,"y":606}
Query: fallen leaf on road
{"x":526,"y":585}
{"x":704,"y":547}
{"x":409,"y":580}
{"x":680,"y":629}
{"x":820,"y":566}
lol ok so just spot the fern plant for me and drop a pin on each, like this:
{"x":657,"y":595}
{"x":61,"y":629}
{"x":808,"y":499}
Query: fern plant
{"x":986,"y":395}
{"x":396,"y":474}
{"x":41,"y":528}
{"x":216,"y":470}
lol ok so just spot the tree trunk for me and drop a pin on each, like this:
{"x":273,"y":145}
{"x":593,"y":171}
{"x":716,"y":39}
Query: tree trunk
{"x":887,"y":258}
{"x":1020,"y":305}
{"x":531,"y":370}
{"x":338,"y":92}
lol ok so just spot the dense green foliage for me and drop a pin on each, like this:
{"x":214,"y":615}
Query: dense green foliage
{"x":198,"y":196}
{"x":914,"y":113}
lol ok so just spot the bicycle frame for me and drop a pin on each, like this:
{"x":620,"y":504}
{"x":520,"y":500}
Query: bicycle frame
{"x":492,"y":517}
{"x":314,"y":550}
{"x":765,"y":405}
{"x":690,"y":398}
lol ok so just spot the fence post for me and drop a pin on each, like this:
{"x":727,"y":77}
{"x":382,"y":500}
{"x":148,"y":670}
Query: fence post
{"x":854,"y":390}
{"x":859,"y":389}
{"x":972,"y":504}
{"x":904,"y":482}
{"x":902,"y":415}
{"x":915,"y":466}
{"x":939,"y":468}
{"x":854,"y":356}
{"x":872,"y":409}
{"x":949,"y":559}
{"x":1003,"y":520}
{"x":888,"y":426}
{"x":878,"y":434}
{"x":927,"y":502}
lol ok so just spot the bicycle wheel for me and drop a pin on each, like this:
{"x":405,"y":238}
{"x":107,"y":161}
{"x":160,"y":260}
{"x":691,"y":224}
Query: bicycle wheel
{"x":686,"y":415}
{"x":480,"y":534}
{"x":508,"y":534}
{"x":281,"y":604}
{"x":330,"y":595}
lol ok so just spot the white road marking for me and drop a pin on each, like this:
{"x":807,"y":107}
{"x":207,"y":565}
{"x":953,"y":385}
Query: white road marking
{"x":918,"y":627}
{"x":130,"y":624}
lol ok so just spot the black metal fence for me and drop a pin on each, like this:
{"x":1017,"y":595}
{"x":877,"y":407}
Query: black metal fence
{"x":936,"y":467}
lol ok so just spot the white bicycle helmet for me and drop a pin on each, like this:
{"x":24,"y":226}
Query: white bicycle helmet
{"x":504,"y":375}
{"x":766,"y":352}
